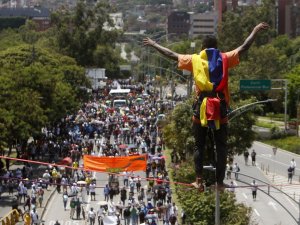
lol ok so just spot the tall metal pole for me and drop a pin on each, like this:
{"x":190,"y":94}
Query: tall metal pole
{"x":217,"y":209}
{"x":285,"y":104}
{"x":217,"y":200}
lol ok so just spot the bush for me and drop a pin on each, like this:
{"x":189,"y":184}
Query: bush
{"x":200,"y":207}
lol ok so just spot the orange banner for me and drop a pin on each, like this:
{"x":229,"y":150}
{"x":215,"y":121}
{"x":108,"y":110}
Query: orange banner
{"x":115,"y":164}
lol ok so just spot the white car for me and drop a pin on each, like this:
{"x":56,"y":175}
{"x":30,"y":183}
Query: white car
{"x":119,"y":103}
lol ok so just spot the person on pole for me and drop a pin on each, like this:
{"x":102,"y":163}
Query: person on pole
{"x":210,"y":72}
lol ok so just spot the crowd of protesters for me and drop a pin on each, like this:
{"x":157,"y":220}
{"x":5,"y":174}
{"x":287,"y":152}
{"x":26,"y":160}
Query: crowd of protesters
{"x":133,"y":130}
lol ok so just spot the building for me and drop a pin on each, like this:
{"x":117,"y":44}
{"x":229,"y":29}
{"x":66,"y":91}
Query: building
{"x":179,"y":23}
{"x":97,"y":77}
{"x":39,"y":15}
{"x":118,"y":23}
{"x":288,"y":17}
{"x":203,"y":24}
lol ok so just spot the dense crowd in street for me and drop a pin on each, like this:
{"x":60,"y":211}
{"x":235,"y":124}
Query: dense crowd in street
{"x":101,"y":130}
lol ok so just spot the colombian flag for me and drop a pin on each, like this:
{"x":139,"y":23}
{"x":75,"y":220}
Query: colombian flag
{"x":210,"y":71}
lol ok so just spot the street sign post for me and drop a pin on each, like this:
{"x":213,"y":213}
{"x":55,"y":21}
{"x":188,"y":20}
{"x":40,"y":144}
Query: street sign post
{"x":255,"y":85}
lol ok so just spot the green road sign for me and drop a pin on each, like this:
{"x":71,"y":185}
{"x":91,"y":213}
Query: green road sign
{"x":255,"y":85}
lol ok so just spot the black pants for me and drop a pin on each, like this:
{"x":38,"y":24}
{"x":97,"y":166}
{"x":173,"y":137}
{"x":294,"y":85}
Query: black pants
{"x":220,"y":138}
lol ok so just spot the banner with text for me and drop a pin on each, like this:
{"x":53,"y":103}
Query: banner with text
{"x":115,"y":164}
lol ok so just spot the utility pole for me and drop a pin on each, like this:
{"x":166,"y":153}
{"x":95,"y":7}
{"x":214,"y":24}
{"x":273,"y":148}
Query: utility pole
{"x":217,"y":199}
{"x":285,"y":88}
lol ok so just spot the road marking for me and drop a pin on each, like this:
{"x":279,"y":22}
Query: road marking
{"x":284,"y":164}
{"x":49,"y":203}
{"x":289,"y":200}
{"x":256,"y":212}
{"x":273,"y":205}
{"x":266,"y":155}
{"x":246,"y":197}
{"x":94,"y":176}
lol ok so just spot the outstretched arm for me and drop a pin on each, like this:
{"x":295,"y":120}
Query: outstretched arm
{"x":249,"y":40}
{"x":165,"y":51}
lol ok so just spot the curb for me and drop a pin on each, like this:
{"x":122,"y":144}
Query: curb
{"x":47,"y":202}
{"x":271,"y":146}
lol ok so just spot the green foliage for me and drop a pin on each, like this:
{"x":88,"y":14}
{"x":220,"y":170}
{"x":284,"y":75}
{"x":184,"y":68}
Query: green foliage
{"x":82,"y":35}
{"x":178,"y":130}
{"x":294,"y":86}
{"x":237,"y":25}
{"x":200,"y":207}
{"x":36,"y":88}
{"x":9,"y":38}
{"x":289,"y":143}
{"x":264,"y":124}
{"x":263,"y":61}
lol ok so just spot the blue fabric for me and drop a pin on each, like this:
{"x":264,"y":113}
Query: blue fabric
{"x":215,"y":66}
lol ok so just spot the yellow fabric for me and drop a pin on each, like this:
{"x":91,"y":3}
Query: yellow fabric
{"x":203,"y":118}
{"x":27,"y":219}
{"x":200,"y":71}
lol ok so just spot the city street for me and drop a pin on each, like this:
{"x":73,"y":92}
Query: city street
{"x":56,"y":210}
{"x":275,"y":207}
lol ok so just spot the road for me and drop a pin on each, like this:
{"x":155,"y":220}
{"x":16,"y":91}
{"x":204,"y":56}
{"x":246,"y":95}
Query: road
{"x":56,"y":211}
{"x":271,"y":206}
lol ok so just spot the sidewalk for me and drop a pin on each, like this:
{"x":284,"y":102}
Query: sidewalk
{"x":281,"y":182}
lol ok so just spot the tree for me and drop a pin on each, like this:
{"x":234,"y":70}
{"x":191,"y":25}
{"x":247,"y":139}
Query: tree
{"x":294,"y":86}
{"x":36,"y":89}
{"x":236,"y":26}
{"x":200,"y":207}
{"x":178,"y":132}
{"x":87,"y":35}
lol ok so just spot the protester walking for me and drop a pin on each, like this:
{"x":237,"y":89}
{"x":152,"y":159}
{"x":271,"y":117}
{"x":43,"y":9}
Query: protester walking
{"x":293,"y":165}
{"x":72,"y":207}
{"x":91,"y":216}
{"x":246,"y":157}
{"x":254,"y":189}
{"x":236,"y":170}
{"x":65,"y":199}
{"x":253,"y":157}
{"x":290,"y":174}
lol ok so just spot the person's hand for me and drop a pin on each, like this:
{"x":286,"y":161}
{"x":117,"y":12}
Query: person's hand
{"x":148,"y":41}
{"x":261,"y":26}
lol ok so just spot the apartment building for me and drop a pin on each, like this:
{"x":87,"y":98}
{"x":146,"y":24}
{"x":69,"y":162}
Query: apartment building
{"x":203,"y":24}
{"x":179,"y":23}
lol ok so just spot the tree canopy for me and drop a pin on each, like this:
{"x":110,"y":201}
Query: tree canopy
{"x":87,"y":34}
{"x":37,"y":87}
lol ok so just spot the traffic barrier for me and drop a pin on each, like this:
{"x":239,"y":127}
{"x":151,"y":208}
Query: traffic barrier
{"x":11,"y":218}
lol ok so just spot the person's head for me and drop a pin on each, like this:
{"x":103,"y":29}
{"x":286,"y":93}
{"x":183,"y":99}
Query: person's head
{"x":209,"y":41}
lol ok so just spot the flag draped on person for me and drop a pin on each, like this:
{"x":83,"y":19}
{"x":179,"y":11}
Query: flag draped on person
{"x":210,"y":71}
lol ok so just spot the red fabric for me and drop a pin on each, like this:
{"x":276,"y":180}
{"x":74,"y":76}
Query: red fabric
{"x":213,"y":109}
